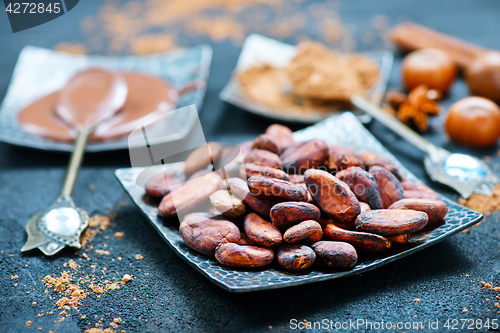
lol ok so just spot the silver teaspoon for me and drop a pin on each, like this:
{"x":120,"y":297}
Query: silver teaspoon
{"x":464,"y":173}
{"x":89,"y":98}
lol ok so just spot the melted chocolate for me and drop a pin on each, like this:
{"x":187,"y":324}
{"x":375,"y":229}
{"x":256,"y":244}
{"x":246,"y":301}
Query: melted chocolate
{"x":147,"y":97}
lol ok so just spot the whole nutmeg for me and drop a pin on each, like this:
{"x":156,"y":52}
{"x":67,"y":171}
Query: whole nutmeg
{"x":430,"y":67}
{"x":473,"y":121}
{"x":483,"y":76}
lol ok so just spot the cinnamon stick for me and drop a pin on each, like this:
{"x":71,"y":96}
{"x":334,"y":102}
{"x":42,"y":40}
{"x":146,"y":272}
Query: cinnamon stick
{"x":411,"y":36}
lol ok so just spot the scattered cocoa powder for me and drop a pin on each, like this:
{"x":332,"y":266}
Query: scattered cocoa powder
{"x":126,"y":278}
{"x":119,"y":234}
{"x":152,"y":26}
{"x":485,"y":286}
{"x":482,"y":203}
{"x":97,"y":224}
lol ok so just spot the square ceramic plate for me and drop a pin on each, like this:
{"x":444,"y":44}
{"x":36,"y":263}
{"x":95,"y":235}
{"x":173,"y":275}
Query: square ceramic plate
{"x":342,"y":129}
{"x":260,"y":49}
{"x":41,"y":71}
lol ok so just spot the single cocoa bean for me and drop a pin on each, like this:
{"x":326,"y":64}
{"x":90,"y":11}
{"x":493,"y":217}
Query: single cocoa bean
{"x":363,"y":185}
{"x":408,"y":194}
{"x":260,"y":231}
{"x":390,"y":188}
{"x":287,"y":214}
{"x":266,"y":142}
{"x":363,"y":241}
{"x":276,"y":189}
{"x":296,"y":257}
{"x":391,"y":222}
{"x":158,"y":186}
{"x":305,"y":232}
{"x":204,"y":234}
{"x":234,"y":255}
{"x":228,"y":204}
{"x":436,"y":210}
{"x":332,"y":195}
{"x":282,"y":135}
{"x":305,"y":155}
{"x":189,"y":195}
{"x":264,"y":158}
{"x":335,"y":254}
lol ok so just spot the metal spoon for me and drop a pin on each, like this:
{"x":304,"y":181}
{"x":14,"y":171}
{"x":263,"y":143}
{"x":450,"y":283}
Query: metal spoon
{"x":89,"y":98}
{"x":464,"y":173}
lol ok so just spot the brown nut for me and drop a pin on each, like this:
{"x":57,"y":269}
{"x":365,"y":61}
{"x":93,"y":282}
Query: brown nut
{"x":399,"y":239}
{"x":204,"y":234}
{"x":305,"y":155}
{"x":363,"y":185}
{"x":287,"y":214}
{"x":228,"y":204}
{"x":201,"y":157}
{"x":332,"y":195}
{"x":391,"y":222}
{"x":296,"y":179}
{"x":234,"y":255}
{"x":296,"y":257}
{"x":276,"y":189}
{"x":409,"y":194}
{"x":364,"y":207}
{"x":189,"y":195}
{"x":282,"y":135}
{"x":240,"y":188}
{"x":260,"y":231}
{"x":266,"y":142}
{"x":335,"y":254}
{"x":363,"y":241}
{"x":370,"y":159}
{"x":390,"y":188}
{"x":412,"y":187}
{"x":436,"y":210}
{"x":251,"y":169}
{"x":340,"y":158}
{"x":305,"y":232}
{"x":158,"y":186}
{"x":264,"y":158}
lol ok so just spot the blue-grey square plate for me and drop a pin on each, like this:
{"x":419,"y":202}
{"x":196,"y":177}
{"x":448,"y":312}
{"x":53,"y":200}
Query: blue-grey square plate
{"x":344,"y":129}
{"x":41,"y":71}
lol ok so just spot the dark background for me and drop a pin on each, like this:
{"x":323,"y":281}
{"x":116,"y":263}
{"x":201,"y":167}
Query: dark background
{"x":173,"y":296}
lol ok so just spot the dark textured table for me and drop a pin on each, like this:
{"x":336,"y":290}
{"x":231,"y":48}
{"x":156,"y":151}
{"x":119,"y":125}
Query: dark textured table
{"x":168,"y":295}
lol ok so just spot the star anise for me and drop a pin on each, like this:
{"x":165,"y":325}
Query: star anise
{"x":416,"y":107}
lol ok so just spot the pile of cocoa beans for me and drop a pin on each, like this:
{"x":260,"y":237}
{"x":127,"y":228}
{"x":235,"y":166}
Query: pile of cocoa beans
{"x":299,"y":202}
